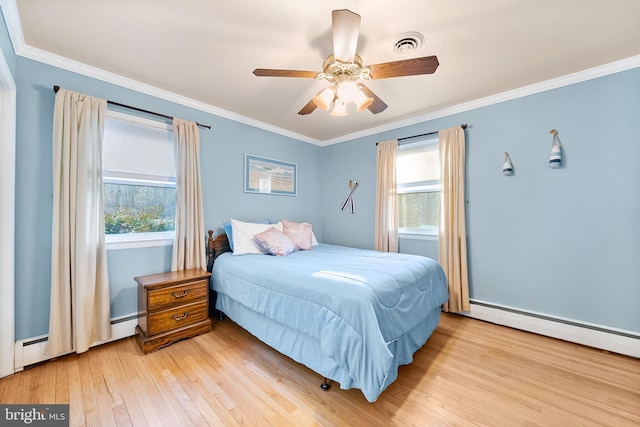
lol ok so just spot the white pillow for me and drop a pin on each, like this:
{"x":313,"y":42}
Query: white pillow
{"x":243,"y":233}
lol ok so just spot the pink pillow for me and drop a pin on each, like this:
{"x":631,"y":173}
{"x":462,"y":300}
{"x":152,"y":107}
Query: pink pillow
{"x":299,"y":233}
{"x":274,"y":242}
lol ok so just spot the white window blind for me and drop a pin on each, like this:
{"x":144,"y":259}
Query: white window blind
{"x":418,"y":163}
{"x":139,"y":182}
{"x":134,"y":151}
{"x":418,"y":185}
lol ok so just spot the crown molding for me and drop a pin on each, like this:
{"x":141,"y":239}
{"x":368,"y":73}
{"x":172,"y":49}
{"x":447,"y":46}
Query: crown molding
{"x":20,"y":48}
{"x":106,"y":76}
{"x":12,"y":20}
{"x":566,"y":80}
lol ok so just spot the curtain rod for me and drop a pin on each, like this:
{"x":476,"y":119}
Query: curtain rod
{"x":57,"y":88}
{"x":463,"y":126}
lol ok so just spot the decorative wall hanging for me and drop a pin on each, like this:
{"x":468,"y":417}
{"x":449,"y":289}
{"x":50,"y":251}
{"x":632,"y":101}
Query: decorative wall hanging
{"x":349,"y":200}
{"x":507,"y":167}
{"x":269,"y":176}
{"x":555,"y":159}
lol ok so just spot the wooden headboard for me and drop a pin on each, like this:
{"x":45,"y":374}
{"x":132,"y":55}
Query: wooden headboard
{"x":216,"y":246}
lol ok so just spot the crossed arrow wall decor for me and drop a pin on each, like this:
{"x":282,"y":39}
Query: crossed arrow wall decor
{"x":349,"y":200}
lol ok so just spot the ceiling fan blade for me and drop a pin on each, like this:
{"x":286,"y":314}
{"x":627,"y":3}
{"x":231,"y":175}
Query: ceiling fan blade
{"x":266,"y":72}
{"x":308,"y":109}
{"x":346,"y":26}
{"x":407,"y":67}
{"x":378,"y":105}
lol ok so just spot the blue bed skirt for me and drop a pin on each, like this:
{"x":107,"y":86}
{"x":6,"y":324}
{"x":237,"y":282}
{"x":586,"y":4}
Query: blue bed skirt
{"x":352,"y":315}
{"x":307,"y":350}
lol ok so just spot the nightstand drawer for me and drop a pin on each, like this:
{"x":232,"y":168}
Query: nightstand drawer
{"x":180,"y":294}
{"x":177,"y":317}
{"x":172,"y":306}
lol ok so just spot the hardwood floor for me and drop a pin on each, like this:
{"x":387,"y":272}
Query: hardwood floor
{"x":468,"y":373}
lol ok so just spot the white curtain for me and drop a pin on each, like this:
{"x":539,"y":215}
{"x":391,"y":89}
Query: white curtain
{"x":79,"y":312}
{"x":386,"y":231}
{"x":452,"y":242}
{"x":189,"y":249}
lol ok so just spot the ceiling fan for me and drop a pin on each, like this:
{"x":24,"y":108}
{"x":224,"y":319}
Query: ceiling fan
{"x":344,"y":69}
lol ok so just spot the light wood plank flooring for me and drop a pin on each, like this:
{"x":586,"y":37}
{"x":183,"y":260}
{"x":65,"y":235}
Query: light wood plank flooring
{"x":469,"y":373}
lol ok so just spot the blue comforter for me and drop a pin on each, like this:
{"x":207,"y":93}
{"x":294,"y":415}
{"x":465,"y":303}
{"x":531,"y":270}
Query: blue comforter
{"x":354,"y":302}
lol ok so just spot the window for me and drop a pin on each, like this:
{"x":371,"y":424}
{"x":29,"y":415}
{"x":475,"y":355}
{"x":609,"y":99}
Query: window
{"x":418,"y":180}
{"x":139,"y":181}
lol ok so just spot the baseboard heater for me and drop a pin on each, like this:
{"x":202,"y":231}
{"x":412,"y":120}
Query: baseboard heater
{"x":592,"y":335}
{"x":30,"y":351}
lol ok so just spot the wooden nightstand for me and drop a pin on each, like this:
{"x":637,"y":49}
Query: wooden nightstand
{"x":172,"y":306}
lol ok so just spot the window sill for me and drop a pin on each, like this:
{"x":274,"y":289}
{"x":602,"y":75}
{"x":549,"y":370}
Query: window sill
{"x":418,"y":236}
{"x":138,"y":240}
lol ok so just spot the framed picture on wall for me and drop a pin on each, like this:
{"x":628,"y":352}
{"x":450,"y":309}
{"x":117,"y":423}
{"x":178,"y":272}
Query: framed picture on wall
{"x":269,"y":176}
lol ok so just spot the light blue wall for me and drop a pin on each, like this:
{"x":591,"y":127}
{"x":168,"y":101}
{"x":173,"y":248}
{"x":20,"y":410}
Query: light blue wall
{"x":563,"y":242}
{"x":222,"y":166}
{"x":566,"y":241}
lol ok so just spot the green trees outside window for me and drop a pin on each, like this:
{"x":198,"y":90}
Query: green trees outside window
{"x":138,"y":208}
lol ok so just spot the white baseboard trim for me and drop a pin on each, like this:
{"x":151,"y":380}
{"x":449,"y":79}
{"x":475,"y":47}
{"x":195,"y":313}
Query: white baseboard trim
{"x":592,"y":335}
{"x":31,"y":350}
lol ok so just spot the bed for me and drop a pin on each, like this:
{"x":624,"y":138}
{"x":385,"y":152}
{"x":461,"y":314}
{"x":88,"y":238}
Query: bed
{"x":351,"y":315}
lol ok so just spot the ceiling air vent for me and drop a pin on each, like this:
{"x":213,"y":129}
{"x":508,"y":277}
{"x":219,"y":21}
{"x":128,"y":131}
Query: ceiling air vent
{"x":408,"y":42}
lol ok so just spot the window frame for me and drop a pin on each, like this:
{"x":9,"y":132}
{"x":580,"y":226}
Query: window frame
{"x":137,"y":240}
{"x":433,"y":186}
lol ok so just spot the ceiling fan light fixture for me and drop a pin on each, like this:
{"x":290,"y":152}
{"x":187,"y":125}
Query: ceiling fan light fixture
{"x":339,"y":108}
{"x":362,"y":101}
{"x":324,"y":99}
{"x":349,"y":91}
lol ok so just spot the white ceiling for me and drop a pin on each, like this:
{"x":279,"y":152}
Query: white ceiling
{"x":206,"y":50}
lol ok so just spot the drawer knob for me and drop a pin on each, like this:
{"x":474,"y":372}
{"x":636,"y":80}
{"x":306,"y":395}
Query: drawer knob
{"x":182,"y":317}
{"x":180,"y":294}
